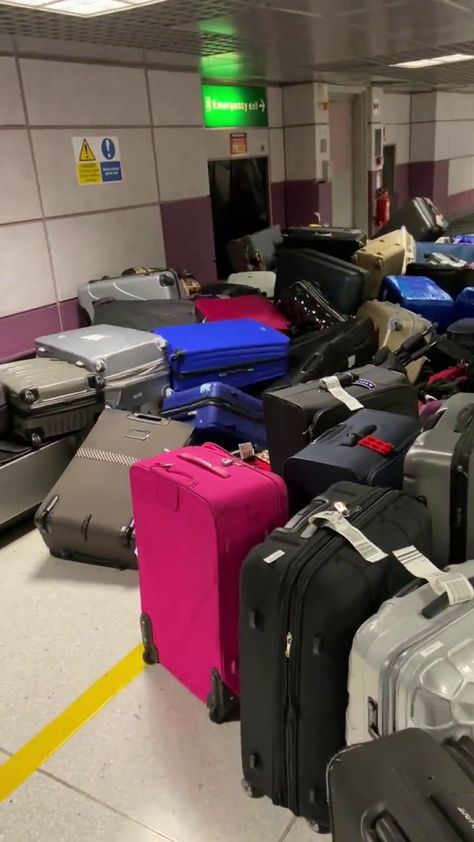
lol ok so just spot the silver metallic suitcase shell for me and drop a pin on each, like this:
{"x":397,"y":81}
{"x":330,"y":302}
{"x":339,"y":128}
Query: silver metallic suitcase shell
{"x":428,"y":474}
{"x":155,"y":285}
{"x":408,"y":671}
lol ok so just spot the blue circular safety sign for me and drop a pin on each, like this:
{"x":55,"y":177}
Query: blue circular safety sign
{"x":108,"y":148}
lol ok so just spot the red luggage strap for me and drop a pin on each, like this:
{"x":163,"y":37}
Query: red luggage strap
{"x":384,"y":448}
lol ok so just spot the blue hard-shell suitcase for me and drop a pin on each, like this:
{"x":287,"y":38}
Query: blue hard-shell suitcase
{"x":368,"y":448}
{"x":464,"y":305}
{"x":465,"y":239}
{"x":420,"y":295}
{"x":240,"y":353}
{"x":219,"y":411}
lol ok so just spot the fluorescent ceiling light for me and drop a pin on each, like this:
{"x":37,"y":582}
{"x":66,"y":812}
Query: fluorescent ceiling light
{"x":432,"y":62}
{"x":81,"y":8}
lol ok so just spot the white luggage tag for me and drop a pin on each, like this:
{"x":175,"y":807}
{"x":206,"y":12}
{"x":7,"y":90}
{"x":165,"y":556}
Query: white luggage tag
{"x":336,"y":521}
{"x":333,"y":386}
{"x":454,"y":584}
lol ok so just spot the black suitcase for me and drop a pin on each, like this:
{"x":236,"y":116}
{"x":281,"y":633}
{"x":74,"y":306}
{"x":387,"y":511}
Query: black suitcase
{"x":297,"y":415}
{"x":452,"y":280}
{"x":422,"y":219}
{"x":403,"y":788}
{"x":345,"y":285}
{"x":304,"y":594}
{"x":227,"y":289}
{"x":4,"y":411}
{"x":306,"y":308}
{"x":337,"y":242}
{"x":143,"y":315}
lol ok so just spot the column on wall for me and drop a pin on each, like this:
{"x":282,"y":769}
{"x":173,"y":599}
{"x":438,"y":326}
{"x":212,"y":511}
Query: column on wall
{"x":428,"y":177}
{"x":396,"y":129}
{"x":375,"y":120}
{"x":307,"y":153}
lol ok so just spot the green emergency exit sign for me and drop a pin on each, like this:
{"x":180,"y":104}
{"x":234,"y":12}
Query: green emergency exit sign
{"x":233,"y":106}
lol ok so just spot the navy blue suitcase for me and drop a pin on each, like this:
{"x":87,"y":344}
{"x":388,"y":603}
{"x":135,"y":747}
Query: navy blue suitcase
{"x":420,"y":295}
{"x":239,"y":352}
{"x":464,"y":305}
{"x":219,"y":411}
{"x":368,"y":448}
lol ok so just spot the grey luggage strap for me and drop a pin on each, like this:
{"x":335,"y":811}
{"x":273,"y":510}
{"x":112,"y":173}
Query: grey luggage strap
{"x":457,"y":587}
{"x":334,"y":387}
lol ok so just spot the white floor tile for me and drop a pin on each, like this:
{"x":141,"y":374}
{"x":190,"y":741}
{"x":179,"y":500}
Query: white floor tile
{"x":153,"y":753}
{"x":301,"y":832}
{"x":43,"y":809}
{"x":62,"y":625}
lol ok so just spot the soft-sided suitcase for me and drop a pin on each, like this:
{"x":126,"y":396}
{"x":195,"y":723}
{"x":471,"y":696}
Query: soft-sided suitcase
{"x":395,"y":325}
{"x":439,"y":467}
{"x":421,"y":218}
{"x":404,"y":788}
{"x":49,"y":398}
{"x":27,"y":474}
{"x":239,"y":352}
{"x":345,"y":285}
{"x":244,"y":307}
{"x":412,"y":663}
{"x":304,"y":594}
{"x":306,"y":308}
{"x":202,"y":510}
{"x":143,"y":315}
{"x":258,"y":247}
{"x":368,"y":447}
{"x":226,"y":289}
{"x":147,"y":285}
{"x":131,"y":363}
{"x":87,"y":515}
{"x":420,"y":295}
{"x":218,"y":410}
{"x":263,"y":281}
{"x":4,"y":410}
{"x":337,"y":242}
{"x":385,"y":256}
{"x":297,"y":415}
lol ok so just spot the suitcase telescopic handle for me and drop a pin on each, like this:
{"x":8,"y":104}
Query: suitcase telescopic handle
{"x":202,"y":463}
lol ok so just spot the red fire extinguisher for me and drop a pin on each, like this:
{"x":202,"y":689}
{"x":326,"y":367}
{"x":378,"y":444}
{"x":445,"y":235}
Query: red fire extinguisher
{"x":382,"y":207}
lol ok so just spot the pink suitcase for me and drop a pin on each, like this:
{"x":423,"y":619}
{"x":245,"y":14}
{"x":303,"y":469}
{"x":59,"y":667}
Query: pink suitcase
{"x":242,"y":307}
{"x":198,"y":512}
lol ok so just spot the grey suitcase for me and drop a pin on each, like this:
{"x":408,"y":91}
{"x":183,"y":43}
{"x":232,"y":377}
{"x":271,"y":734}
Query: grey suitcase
{"x":87,"y":516}
{"x":49,"y":398}
{"x":439,"y":467}
{"x":27,"y":474}
{"x":412,"y":665}
{"x":130,"y":363}
{"x":140,"y":286}
{"x":4,"y":410}
{"x":260,"y":247}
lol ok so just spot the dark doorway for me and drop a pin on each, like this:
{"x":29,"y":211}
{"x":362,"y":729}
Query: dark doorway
{"x":240,"y":204}
{"x":389,"y":173}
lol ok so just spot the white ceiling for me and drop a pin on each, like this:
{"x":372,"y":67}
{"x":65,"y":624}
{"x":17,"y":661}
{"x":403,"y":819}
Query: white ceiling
{"x":340,"y":41}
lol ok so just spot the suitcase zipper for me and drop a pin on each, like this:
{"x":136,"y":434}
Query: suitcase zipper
{"x":292,"y":633}
{"x":220,"y":403}
{"x":234,"y":369}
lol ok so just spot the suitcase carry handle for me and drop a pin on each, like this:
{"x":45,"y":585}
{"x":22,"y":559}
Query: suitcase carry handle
{"x":150,"y":419}
{"x":384,"y":828}
{"x":438,"y":605}
{"x":202,"y":463}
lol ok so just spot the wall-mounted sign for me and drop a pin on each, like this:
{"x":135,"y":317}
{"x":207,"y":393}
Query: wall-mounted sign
{"x":229,"y":106}
{"x":238,"y":143}
{"x":97,"y":160}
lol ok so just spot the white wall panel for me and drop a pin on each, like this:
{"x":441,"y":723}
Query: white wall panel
{"x":454,"y":106}
{"x":461,"y":175}
{"x":277,"y":155}
{"x":182,"y":163}
{"x":71,"y":50}
{"x":11,"y":106}
{"x":71,"y":94}
{"x":217,"y":143}
{"x":87,"y":247}
{"x":423,"y":107}
{"x":422,"y":141}
{"x":57,"y":172}
{"x":298,"y":105}
{"x":402,"y":141}
{"x":396,"y":108}
{"x":275,"y":107}
{"x":300,"y":153}
{"x":175,"y":98}
{"x":20,"y":198}
{"x":25,"y":273}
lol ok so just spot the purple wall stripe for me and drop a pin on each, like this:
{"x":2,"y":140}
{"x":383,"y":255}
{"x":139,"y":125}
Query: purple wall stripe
{"x":304,"y":198}
{"x":402,"y":182}
{"x":18,"y":332}
{"x":460,"y":203}
{"x":70,"y":314}
{"x":189,"y":237}
{"x":278,"y":204}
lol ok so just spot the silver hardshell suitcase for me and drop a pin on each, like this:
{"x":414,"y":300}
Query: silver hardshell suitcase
{"x":147,"y":286}
{"x":439,"y":467}
{"x":412,"y":666}
{"x":131,"y":363}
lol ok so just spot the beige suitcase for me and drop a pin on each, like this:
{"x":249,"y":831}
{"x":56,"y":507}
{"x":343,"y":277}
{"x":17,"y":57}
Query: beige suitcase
{"x":387,"y":255}
{"x":395,"y":325}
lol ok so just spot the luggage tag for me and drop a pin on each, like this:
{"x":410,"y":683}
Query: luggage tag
{"x":457,"y":587}
{"x":333,"y":386}
{"x":336,"y":521}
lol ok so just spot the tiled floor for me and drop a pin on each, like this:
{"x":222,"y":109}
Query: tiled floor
{"x":149,"y":765}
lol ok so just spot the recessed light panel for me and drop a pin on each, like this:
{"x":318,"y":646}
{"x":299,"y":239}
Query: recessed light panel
{"x":432,"y":62}
{"x":81,"y":8}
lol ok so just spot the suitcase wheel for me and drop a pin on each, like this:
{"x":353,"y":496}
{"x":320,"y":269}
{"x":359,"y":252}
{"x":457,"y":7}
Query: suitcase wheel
{"x":318,"y":828}
{"x":250,"y":790}
{"x":221,"y":703}
{"x":36,"y":440}
{"x":150,"y":652}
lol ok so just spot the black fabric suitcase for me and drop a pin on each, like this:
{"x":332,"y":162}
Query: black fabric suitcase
{"x":304,"y":594}
{"x":228,"y":289}
{"x":143,"y":315}
{"x":297,"y":415}
{"x":403,"y":788}
{"x":452,"y":280}
{"x":337,"y":242}
{"x":257,"y":248}
{"x":345,"y":285}
{"x":422,"y":219}
{"x":368,"y":447}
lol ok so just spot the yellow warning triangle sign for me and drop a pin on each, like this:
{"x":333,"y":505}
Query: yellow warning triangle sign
{"x":86,"y":153}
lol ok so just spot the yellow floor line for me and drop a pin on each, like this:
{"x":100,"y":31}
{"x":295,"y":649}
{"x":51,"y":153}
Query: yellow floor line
{"x":37,"y":750}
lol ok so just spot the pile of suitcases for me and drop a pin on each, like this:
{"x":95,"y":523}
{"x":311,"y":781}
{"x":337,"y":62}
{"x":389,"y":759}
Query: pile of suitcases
{"x":286,"y":460}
